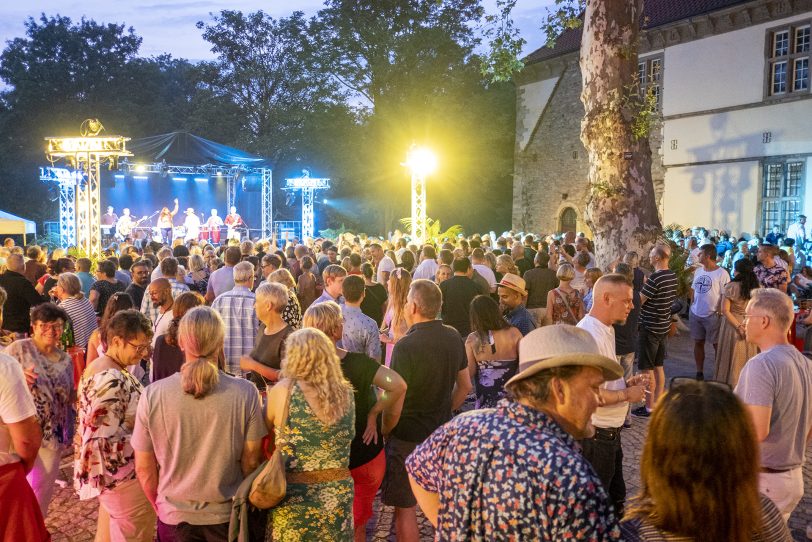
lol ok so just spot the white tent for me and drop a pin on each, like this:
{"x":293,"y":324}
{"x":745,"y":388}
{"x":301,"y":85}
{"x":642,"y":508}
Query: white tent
{"x":14,"y":225}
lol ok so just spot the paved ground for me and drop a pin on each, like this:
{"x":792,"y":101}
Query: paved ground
{"x":73,"y":520}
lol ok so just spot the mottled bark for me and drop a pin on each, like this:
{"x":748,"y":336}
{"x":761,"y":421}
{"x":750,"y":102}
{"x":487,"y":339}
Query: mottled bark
{"x":621,"y":210}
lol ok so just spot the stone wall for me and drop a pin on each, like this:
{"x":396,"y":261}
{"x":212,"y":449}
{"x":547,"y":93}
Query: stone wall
{"x":550,"y":173}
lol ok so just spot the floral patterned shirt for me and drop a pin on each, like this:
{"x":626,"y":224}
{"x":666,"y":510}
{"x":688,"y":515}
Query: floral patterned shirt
{"x":511,"y":473}
{"x":771,"y":277}
{"x":103,"y":456}
{"x":52,"y":391}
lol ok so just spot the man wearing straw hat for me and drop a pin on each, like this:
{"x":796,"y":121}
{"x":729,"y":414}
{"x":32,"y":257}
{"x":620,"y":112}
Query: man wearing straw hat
{"x":515,"y":472}
{"x":512,"y":293}
{"x":192,"y":225}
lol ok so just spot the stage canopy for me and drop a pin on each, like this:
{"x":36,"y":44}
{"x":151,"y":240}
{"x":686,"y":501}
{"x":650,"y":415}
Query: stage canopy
{"x":14,"y":225}
{"x":183,"y":148}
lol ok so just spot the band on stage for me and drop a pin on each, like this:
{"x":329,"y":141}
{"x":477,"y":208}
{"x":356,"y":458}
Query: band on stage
{"x":163,"y":229}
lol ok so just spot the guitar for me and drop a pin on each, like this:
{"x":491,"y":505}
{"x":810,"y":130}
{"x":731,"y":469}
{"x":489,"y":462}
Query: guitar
{"x":126,"y":229}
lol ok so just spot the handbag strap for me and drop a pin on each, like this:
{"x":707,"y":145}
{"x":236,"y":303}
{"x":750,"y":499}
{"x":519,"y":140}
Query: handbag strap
{"x":566,"y":303}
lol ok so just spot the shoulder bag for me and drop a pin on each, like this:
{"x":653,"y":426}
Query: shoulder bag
{"x":566,"y":304}
{"x":269,"y":487}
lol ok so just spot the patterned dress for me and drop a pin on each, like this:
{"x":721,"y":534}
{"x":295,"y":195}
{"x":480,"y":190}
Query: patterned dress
{"x":314,"y":512}
{"x":560,"y":314}
{"x":52,"y":391}
{"x":103,"y":456}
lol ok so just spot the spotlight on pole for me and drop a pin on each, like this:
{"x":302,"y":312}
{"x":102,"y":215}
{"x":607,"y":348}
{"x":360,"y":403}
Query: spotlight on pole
{"x":422,"y":162}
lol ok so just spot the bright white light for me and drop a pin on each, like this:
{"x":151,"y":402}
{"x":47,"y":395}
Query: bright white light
{"x":178,"y":178}
{"x":201,"y":179}
{"x":140,"y":168}
{"x":140,"y":177}
{"x":421,"y":161}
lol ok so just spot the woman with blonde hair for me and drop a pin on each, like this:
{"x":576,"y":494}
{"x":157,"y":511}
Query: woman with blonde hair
{"x":292,"y":313}
{"x":505,"y":265}
{"x":173,"y":429}
{"x":198,"y":277}
{"x":394,"y":321}
{"x":564,"y":304}
{"x":700,"y":482}
{"x":315,"y":437}
{"x":367,"y":458}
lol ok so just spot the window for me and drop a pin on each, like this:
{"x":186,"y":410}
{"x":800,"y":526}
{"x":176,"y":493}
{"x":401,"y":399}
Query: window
{"x":650,"y":76}
{"x":782,"y":194}
{"x":788,"y":60}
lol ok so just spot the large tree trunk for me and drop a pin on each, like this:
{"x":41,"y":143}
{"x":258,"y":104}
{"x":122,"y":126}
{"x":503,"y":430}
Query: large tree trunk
{"x":621,"y":210}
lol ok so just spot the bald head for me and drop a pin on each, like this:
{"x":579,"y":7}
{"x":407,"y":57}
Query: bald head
{"x":16,"y":263}
{"x":160,"y":292}
{"x":612,"y":299}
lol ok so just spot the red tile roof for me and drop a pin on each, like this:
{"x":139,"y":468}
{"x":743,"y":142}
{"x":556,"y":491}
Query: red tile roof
{"x":656,"y":12}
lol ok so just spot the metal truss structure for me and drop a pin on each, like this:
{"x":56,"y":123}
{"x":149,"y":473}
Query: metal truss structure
{"x":67,"y":181}
{"x":308,"y":185}
{"x":85,"y":155}
{"x":418,"y":208}
{"x":267,"y":203}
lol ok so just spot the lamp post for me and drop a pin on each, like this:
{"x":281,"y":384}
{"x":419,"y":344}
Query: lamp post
{"x":421,"y":162}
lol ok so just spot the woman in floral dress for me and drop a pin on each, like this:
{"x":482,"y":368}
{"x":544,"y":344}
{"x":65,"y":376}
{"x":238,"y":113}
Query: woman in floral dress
{"x":564,"y":304}
{"x":292,"y":313}
{"x":49,"y":372}
{"x":104,"y":461}
{"x":492,"y":349}
{"x":316,"y":439}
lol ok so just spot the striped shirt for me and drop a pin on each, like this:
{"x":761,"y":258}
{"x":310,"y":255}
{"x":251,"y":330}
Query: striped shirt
{"x":236,"y":307}
{"x":82,"y":318}
{"x":660,"y":290}
{"x":148,"y":307}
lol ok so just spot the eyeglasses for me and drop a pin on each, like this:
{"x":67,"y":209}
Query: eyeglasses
{"x":139,"y":347}
{"x":50,"y":328}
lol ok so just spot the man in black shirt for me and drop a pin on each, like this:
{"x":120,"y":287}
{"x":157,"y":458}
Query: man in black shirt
{"x":140,"y":272}
{"x":540,"y":280}
{"x":21,"y":296}
{"x":431,"y":359}
{"x":458,"y":292}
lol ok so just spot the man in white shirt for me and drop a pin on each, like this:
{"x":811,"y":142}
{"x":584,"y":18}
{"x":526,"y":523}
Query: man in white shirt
{"x":160,"y":293}
{"x":612,"y":302}
{"x":383,"y":263}
{"x":706,"y":293}
{"x":798,"y":232}
{"x":478,"y":261}
{"x":428,"y":264}
{"x":192,"y":225}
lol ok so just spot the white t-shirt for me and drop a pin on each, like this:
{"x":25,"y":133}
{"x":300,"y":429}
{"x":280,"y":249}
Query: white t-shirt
{"x":426,"y":270}
{"x":386,"y":265}
{"x":613,"y":416}
{"x":487,"y":274}
{"x":708,"y":287}
{"x":161,"y":325}
{"x":16,"y":405}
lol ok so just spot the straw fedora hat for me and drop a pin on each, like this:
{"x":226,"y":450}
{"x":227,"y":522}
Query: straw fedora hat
{"x":562,"y":346}
{"x":514,"y":282}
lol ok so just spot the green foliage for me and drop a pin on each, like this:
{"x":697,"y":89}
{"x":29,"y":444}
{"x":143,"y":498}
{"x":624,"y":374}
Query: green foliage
{"x":334,"y":233}
{"x":434,"y":232}
{"x":504,"y":43}
{"x":678,"y":261}
{"x":566,"y":15}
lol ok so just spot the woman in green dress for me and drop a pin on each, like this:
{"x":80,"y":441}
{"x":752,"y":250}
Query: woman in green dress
{"x":316,"y":439}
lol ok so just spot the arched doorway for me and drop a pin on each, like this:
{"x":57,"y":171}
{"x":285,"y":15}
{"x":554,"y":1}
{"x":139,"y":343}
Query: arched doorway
{"x":568,"y":220}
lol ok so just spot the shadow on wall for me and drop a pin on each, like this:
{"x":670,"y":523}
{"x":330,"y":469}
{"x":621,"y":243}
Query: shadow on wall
{"x":725,"y":184}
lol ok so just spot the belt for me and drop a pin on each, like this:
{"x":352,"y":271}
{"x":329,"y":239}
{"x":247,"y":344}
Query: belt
{"x":607,"y":433}
{"x":317,"y":476}
{"x":768,"y":470}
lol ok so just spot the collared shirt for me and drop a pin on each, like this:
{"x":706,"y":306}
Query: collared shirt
{"x":325,"y":296}
{"x":538,"y":485}
{"x":771,"y":277}
{"x":361,"y":333}
{"x":521,"y":318}
{"x":237,"y":309}
{"x":148,"y":307}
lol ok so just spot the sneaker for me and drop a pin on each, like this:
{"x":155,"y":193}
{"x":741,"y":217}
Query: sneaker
{"x":700,"y":376}
{"x":641,"y":411}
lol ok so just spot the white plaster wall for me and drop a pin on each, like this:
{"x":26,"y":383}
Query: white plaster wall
{"x":717,"y":71}
{"x":808,"y":187}
{"x":738,"y":134}
{"x":715,"y":196}
{"x":532,"y":100}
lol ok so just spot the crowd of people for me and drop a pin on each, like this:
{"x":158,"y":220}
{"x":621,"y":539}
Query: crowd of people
{"x":486,"y":380}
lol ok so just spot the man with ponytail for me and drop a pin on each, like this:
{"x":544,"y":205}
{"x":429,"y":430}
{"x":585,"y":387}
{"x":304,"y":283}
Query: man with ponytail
{"x":201,"y":469}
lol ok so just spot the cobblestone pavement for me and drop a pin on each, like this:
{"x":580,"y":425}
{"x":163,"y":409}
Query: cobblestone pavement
{"x":75,"y":521}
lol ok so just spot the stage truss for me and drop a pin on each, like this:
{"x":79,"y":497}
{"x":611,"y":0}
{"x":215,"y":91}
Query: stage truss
{"x":67,"y":181}
{"x":308,"y":185}
{"x":84,"y":155}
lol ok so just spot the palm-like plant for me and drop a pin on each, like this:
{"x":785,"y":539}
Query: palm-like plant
{"x":434,"y":232}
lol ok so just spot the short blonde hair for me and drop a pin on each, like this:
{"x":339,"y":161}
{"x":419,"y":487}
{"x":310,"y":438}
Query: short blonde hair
{"x":775,"y":303}
{"x":283,"y":277}
{"x":311,"y":357}
{"x":325,"y":317}
{"x":565,"y":272}
{"x":200,"y":335}
{"x":274,"y":293}
{"x":71,"y":284}
{"x":196,"y":262}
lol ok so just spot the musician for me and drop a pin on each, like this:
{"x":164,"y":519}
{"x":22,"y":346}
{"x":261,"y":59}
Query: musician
{"x":192,"y":224}
{"x":108,"y":224}
{"x":233,"y":221}
{"x":214,"y":223}
{"x":165,"y":222}
{"x":125,"y":223}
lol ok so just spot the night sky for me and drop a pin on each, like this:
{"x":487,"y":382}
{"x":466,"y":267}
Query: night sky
{"x":169,"y":26}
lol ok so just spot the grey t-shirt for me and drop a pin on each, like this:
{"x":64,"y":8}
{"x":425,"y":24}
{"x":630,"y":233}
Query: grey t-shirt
{"x":780,"y":378}
{"x":198,"y":444}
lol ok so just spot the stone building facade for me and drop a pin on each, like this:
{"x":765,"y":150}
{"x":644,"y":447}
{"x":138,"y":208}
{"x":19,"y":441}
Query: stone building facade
{"x":711,"y":65}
